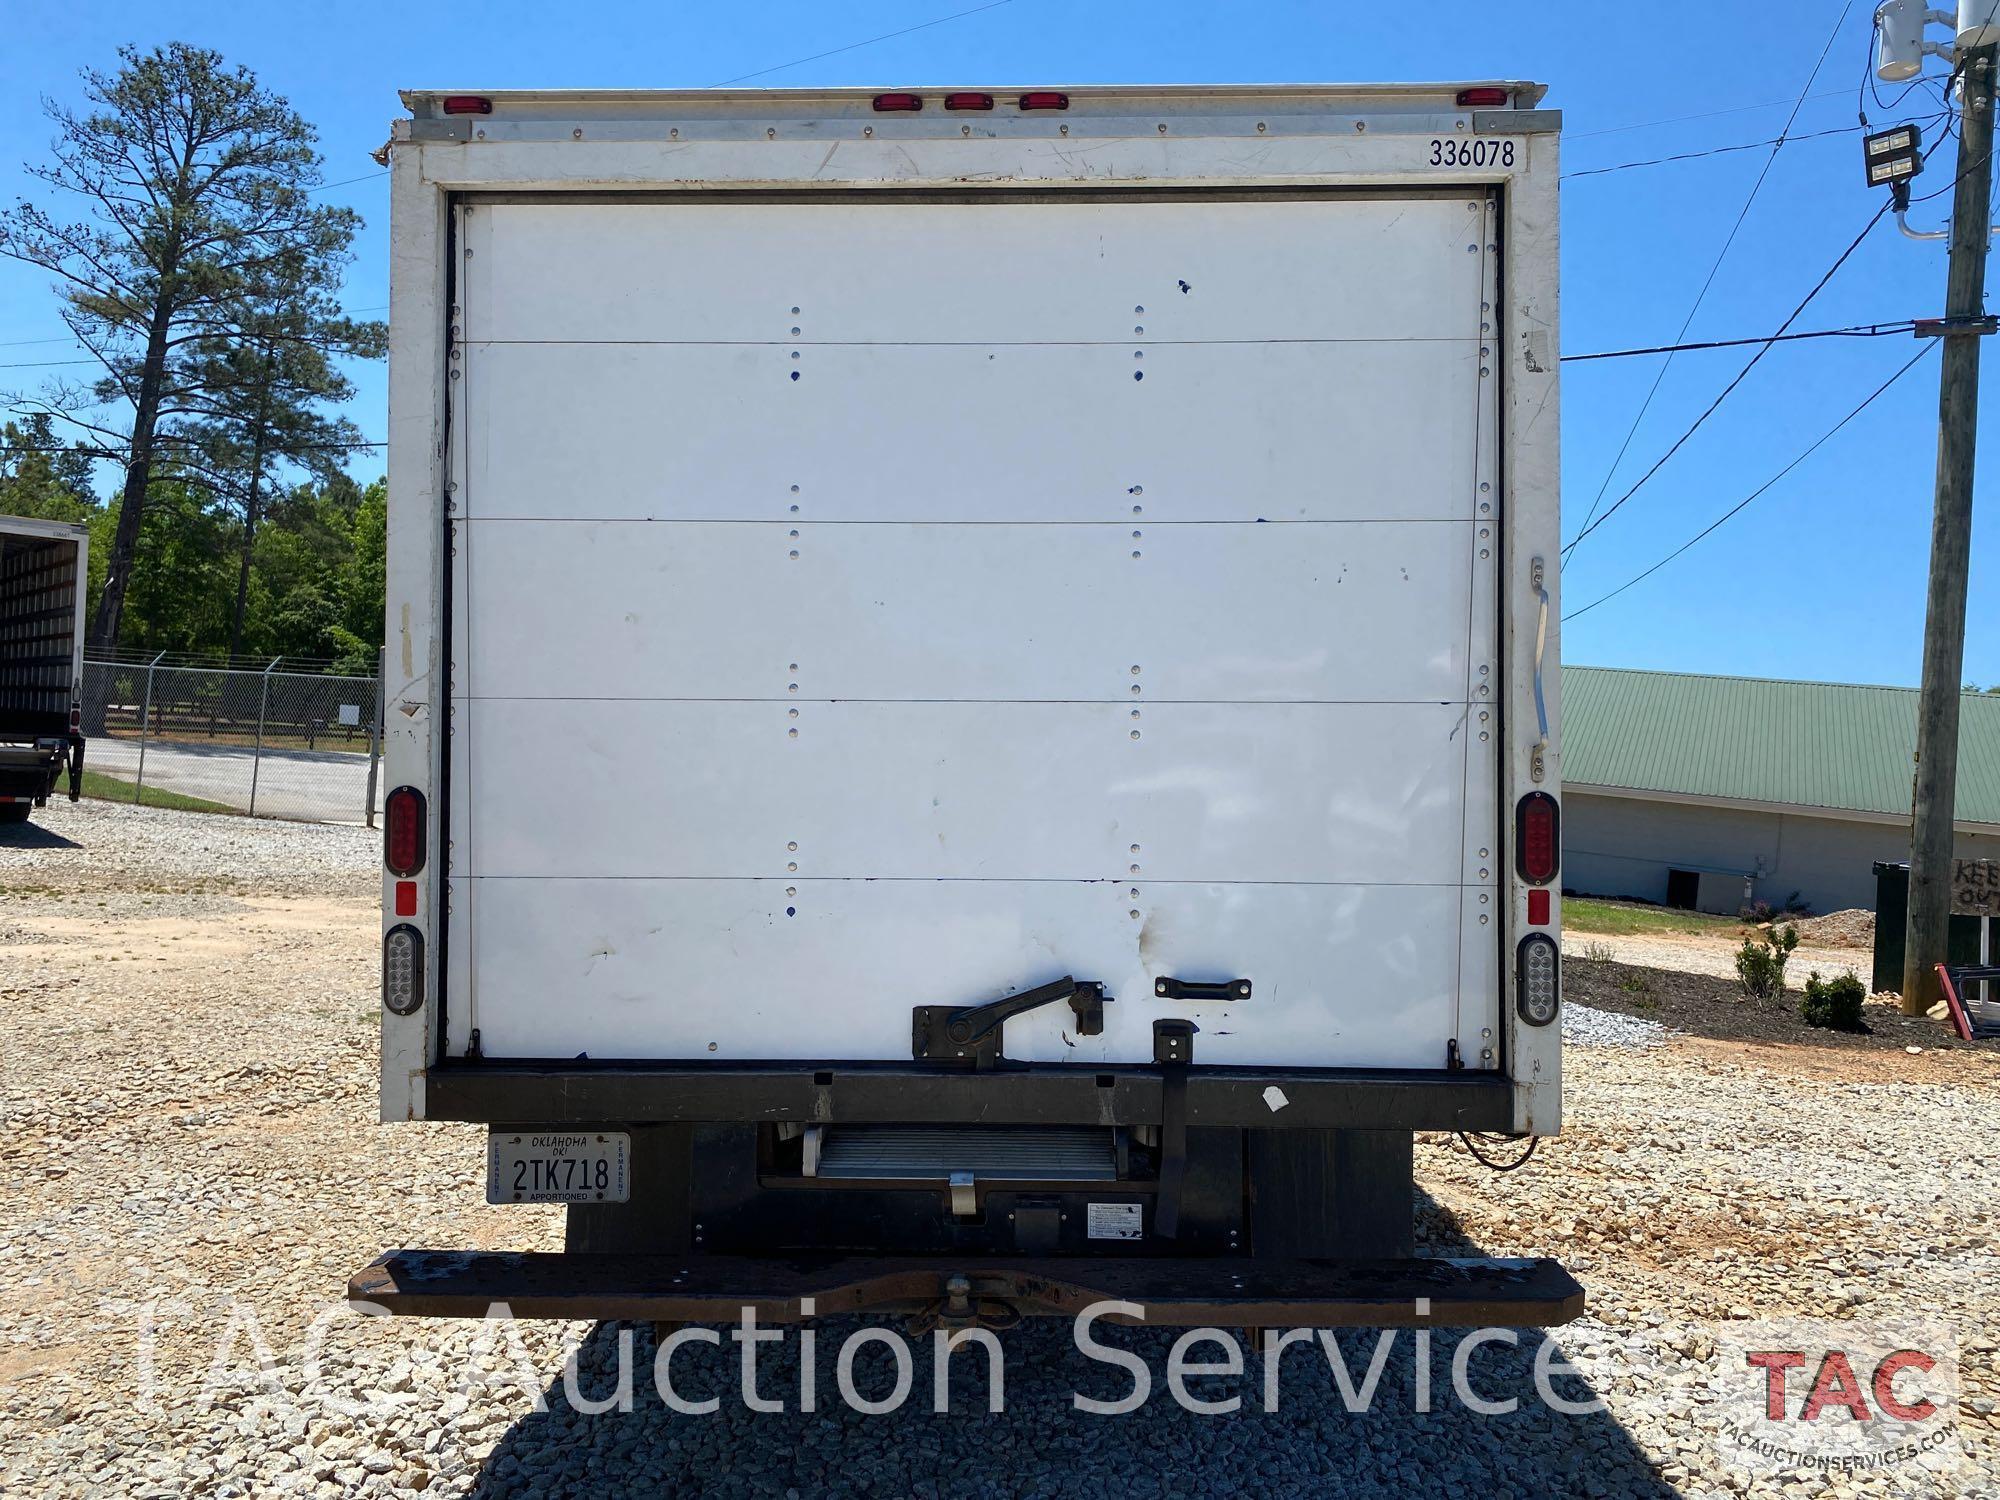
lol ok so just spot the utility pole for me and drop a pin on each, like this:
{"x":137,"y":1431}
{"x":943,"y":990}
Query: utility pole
{"x":1931,"y":814}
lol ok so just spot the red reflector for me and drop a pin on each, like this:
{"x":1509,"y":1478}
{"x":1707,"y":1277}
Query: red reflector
{"x":467,"y":104}
{"x":968,"y":101}
{"x":898,"y":103}
{"x":1538,"y":907}
{"x":1537,"y":845}
{"x":406,"y":898}
{"x":1045,"y":99}
{"x":1484,"y":98}
{"x":403,"y":832}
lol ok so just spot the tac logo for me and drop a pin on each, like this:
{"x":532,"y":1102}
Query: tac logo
{"x":1817,"y":1396}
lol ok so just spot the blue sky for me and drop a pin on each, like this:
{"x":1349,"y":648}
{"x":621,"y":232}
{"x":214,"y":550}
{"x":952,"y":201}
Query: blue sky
{"x":1822,"y":577}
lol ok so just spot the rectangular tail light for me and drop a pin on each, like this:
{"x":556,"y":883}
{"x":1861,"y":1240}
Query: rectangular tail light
{"x":1537,"y":838}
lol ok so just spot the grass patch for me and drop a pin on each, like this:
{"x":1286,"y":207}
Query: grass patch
{"x":1621,"y":919}
{"x":114,"y":789}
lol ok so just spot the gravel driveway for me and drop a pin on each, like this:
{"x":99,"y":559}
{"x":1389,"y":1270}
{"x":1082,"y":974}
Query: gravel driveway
{"x":187,"y":1076}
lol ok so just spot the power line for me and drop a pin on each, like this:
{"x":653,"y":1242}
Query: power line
{"x":1702,"y":295}
{"x":327,"y":187}
{"x":1745,"y":501}
{"x":856,"y":46}
{"x":1661,"y":161}
{"x":1851,"y":331}
{"x":1707,"y":115}
{"x":1590,"y":524}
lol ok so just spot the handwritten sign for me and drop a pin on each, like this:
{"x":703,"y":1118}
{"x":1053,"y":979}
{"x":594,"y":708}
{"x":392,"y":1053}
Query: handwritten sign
{"x":1975,"y":887}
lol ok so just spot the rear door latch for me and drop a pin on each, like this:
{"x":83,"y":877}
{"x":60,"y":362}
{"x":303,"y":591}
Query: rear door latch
{"x":972,"y":1033}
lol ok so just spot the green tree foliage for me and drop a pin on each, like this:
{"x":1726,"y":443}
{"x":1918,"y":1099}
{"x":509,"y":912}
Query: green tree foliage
{"x":314,"y":588}
{"x":268,"y":381}
{"x":191,"y":184}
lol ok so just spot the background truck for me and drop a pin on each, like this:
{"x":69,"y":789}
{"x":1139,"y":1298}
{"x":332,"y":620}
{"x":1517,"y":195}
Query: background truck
{"x":44,"y":572}
{"x":1041,"y":606}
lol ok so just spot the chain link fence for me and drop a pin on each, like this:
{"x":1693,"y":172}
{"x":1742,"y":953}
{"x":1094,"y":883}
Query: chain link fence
{"x":271,"y":744}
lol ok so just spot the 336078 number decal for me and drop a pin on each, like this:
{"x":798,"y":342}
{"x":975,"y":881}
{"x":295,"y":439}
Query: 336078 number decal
{"x":1473,"y":153}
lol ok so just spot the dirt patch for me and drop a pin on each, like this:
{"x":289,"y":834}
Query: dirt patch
{"x":1853,"y":928}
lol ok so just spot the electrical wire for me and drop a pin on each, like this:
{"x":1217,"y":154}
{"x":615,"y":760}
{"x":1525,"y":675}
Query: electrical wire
{"x":1712,"y":114}
{"x":1661,"y":161}
{"x":1852,"y":331}
{"x":1746,"y":500}
{"x":1501,"y":1166}
{"x":1591,"y":524}
{"x":1590,"y":518}
{"x":855,"y":46}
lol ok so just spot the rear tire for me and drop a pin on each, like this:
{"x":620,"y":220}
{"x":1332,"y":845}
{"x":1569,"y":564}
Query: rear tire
{"x":15,"y":812}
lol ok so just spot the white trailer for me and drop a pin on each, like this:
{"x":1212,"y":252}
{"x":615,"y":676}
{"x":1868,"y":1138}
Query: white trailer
{"x":44,"y":572}
{"x":971,"y":682}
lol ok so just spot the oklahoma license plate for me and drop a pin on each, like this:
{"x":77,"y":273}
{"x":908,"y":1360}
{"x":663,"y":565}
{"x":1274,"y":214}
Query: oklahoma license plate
{"x":585,"y":1166}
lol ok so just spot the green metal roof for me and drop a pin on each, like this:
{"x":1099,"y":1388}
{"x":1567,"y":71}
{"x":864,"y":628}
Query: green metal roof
{"x":1812,"y":744}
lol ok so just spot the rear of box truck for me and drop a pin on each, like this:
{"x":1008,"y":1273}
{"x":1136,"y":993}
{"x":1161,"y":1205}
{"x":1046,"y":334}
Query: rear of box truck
{"x":971,"y":692}
{"x":44,"y":571}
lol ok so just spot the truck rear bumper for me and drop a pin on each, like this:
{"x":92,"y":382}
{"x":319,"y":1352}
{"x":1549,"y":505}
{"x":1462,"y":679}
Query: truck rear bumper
{"x":551,"y":1094}
{"x":1208,"y":1292}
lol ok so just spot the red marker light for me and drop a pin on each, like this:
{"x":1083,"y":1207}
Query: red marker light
{"x":406,"y":898}
{"x":1044,"y":99}
{"x":467,"y":104}
{"x":890,"y":104}
{"x":1538,"y":907}
{"x":968,"y":101}
{"x":1484,"y":98}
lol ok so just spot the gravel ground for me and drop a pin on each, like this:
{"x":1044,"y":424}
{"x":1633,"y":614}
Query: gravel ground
{"x":1587,"y":1026}
{"x":186,"y":1094}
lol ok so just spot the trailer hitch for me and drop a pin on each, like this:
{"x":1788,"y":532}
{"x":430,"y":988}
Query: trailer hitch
{"x":971,"y":1033}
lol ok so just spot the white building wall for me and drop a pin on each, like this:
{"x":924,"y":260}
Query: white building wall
{"x":1624,"y":846}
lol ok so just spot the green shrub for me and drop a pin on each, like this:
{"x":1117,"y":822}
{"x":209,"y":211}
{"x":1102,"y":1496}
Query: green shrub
{"x":1834,"y":1004}
{"x":1599,"y":953}
{"x":1760,"y":962}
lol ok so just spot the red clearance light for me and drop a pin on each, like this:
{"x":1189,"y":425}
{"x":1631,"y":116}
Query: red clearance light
{"x":406,"y":898}
{"x":1538,"y":907}
{"x":1484,"y":98}
{"x":403,"y":832}
{"x":1537,"y":841}
{"x":968,"y":101}
{"x":468,"y":104}
{"x":1044,"y":99}
{"x":889,"y":104}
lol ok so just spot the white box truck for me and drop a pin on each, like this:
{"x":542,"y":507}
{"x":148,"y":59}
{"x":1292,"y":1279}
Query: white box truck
{"x":44,"y":572}
{"x":971,"y":692}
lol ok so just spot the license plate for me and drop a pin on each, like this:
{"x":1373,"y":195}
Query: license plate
{"x":587,"y":1166}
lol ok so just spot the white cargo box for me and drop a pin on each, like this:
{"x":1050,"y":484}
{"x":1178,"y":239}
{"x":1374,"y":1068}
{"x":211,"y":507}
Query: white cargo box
{"x":844,"y":562}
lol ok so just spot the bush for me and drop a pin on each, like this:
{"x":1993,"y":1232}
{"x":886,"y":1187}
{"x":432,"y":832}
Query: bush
{"x":1599,"y":953}
{"x":1834,"y":1004}
{"x":1760,"y":962}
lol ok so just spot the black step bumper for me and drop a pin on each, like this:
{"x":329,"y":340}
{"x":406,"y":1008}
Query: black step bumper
{"x":1174,"y":1292}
